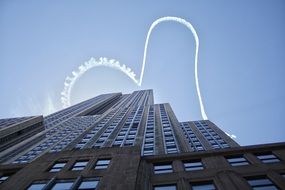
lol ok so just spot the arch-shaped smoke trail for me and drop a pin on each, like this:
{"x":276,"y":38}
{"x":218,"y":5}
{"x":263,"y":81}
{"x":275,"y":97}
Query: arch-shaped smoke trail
{"x":70,"y":81}
{"x":191,"y":28}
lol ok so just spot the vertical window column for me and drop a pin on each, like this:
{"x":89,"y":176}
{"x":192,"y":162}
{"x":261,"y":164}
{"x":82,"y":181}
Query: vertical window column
{"x":94,"y":131}
{"x":212,"y":137}
{"x":104,"y":136}
{"x":149,"y":135}
{"x":193,"y":141}
{"x":170,"y":144}
{"x":119,"y":140}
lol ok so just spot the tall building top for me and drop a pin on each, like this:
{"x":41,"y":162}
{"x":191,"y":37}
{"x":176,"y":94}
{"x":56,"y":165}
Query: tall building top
{"x":117,"y":120}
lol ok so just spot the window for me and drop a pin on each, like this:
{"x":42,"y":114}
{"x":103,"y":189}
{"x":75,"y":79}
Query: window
{"x":267,"y":158}
{"x":62,"y":185}
{"x":261,"y":183}
{"x":3,"y":178}
{"x":57,"y":167}
{"x":203,"y":186}
{"x":165,"y":187}
{"x":163,"y":168}
{"x":102,"y":164}
{"x":79,"y":165}
{"x":193,"y":165}
{"x":37,"y":185}
{"x":237,"y":161}
{"x":88,"y":184}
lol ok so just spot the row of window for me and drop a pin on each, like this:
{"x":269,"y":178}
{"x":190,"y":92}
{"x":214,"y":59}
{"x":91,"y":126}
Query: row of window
{"x":76,"y":108}
{"x":128,"y":133}
{"x":84,"y":120}
{"x":81,"y":184}
{"x":149,"y":135}
{"x":81,"y":126}
{"x":104,"y":136}
{"x":137,"y":99}
{"x":212,"y":137}
{"x":134,"y":98}
{"x":192,"y":165}
{"x":11,"y":121}
{"x":94,"y":131}
{"x":147,"y":95}
{"x":122,"y":101}
{"x":57,"y":117}
{"x":193,"y":141}
{"x":170,"y":144}
{"x":256,"y":183}
{"x":265,"y":158}
{"x":80,"y":165}
{"x":63,"y":135}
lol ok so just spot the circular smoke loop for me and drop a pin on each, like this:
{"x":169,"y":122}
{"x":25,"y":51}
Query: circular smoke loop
{"x":70,"y":81}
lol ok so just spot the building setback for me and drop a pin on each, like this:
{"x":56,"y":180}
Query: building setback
{"x":125,"y":141}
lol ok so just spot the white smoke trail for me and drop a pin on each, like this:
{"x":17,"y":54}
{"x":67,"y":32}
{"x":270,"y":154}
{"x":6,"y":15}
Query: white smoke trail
{"x":191,"y":28}
{"x":69,"y":81}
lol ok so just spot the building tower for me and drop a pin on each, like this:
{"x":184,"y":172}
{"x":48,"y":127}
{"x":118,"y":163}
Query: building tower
{"x":125,"y":141}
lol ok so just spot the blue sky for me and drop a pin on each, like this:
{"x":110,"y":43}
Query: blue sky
{"x":241,"y":58}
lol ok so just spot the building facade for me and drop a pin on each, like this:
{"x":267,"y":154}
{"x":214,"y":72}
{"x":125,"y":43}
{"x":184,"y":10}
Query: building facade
{"x":116,"y":141}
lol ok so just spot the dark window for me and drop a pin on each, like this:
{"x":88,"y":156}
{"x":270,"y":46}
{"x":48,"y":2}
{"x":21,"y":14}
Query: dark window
{"x":88,"y":184}
{"x":203,"y":186}
{"x":193,"y":165}
{"x":102,"y":164}
{"x":57,"y":167}
{"x":37,"y":185}
{"x":261,"y":184}
{"x":162,"y":168}
{"x":62,"y":185}
{"x":267,"y":158}
{"x":237,"y":161}
{"x":3,"y":178}
{"x":79,"y":165}
{"x":165,"y":187}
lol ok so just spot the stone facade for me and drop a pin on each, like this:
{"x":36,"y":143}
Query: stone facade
{"x":128,"y":170}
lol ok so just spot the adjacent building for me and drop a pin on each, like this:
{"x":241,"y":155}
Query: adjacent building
{"x":125,"y":141}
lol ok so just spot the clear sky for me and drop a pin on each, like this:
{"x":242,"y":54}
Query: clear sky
{"x":241,"y":59}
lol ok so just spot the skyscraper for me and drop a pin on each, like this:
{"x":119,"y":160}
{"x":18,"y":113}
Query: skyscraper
{"x":116,"y":141}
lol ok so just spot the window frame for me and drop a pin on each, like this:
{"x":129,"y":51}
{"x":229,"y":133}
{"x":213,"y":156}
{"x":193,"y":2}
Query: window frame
{"x":4,"y":178}
{"x":245,"y":162}
{"x":102,"y":166}
{"x":57,"y":169}
{"x":79,"y":167}
{"x":38,"y":182}
{"x":203,"y":183}
{"x":63,"y":181}
{"x":88,"y":180}
{"x":155,"y":187}
{"x":257,"y":186}
{"x":265,"y":160}
{"x":162,"y":170}
{"x":193,"y":167}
